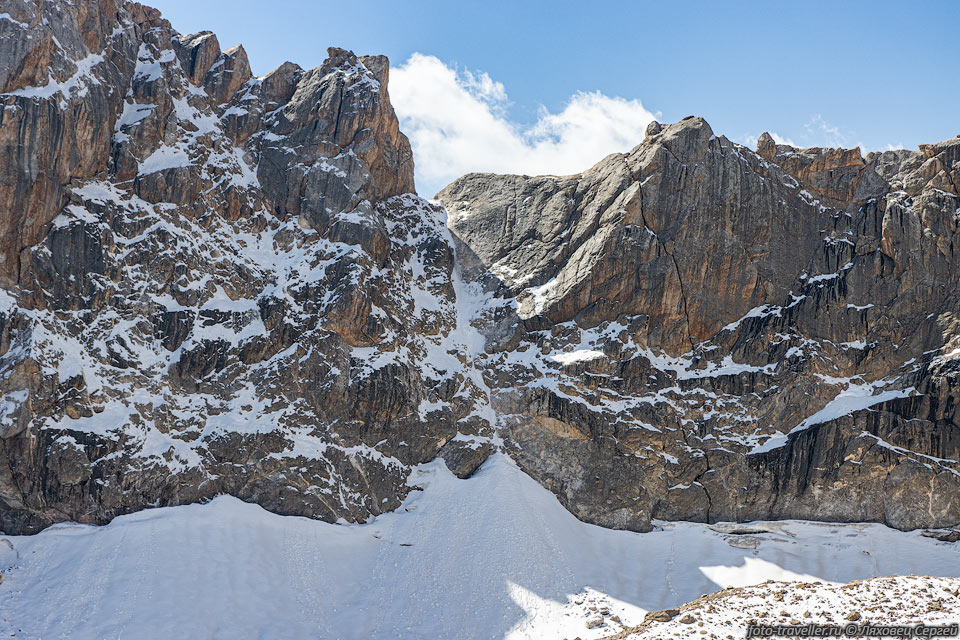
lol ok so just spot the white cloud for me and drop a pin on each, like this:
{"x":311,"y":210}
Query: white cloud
{"x":779,"y":139}
{"x":816,"y":132}
{"x":458,"y":123}
{"x":818,"y":129}
{"x":751,"y":141}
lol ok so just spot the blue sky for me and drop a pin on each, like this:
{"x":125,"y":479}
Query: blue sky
{"x":875,"y":74}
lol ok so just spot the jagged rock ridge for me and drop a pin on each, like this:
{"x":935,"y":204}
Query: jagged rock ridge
{"x":696,"y":331}
{"x":216,"y":283}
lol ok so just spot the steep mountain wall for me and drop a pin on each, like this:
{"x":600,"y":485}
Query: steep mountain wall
{"x":217,"y":283}
{"x":697,"y":331}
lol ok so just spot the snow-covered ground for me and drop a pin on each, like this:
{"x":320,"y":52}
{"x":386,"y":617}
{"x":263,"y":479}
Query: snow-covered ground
{"x":494,"y":556}
{"x":898,"y":600}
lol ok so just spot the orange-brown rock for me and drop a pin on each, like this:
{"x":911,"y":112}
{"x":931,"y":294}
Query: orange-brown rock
{"x":212,"y":283}
{"x":739,"y":335}
{"x":216,"y":283}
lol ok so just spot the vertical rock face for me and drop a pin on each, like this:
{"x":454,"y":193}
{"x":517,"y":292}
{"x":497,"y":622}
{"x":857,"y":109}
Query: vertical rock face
{"x":45,"y":138}
{"x":213,"y":282}
{"x":217,"y":283}
{"x":696,"y":331}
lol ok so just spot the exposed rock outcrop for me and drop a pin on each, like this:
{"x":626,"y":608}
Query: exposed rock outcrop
{"x":695,"y":331}
{"x":214,"y":283}
{"x":897,"y":600}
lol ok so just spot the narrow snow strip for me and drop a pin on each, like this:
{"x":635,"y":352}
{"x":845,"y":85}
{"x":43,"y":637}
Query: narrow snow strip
{"x":580,"y":355}
{"x":164,"y":158}
{"x":854,"y":398}
{"x":78,"y":80}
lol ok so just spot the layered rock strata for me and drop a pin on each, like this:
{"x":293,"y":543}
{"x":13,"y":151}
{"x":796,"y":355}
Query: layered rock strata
{"x":697,"y":331}
{"x":215,"y":283}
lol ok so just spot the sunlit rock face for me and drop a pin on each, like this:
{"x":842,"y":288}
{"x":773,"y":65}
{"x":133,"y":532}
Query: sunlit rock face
{"x":693,"y":330}
{"x":217,"y":283}
{"x":214,"y":283}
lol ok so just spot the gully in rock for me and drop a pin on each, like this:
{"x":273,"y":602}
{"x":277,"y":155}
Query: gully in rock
{"x":221,"y":287}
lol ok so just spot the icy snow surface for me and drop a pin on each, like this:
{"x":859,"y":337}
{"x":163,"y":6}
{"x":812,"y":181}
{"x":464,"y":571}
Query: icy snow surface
{"x":494,"y":556}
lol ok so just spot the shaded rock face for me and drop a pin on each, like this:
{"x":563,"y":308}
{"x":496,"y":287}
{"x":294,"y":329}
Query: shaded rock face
{"x":216,"y":283}
{"x":697,"y":331}
{"x":213,"y":283}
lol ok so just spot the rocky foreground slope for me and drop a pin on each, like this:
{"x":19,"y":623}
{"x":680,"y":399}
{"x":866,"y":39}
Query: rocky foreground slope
{"x":217,"y":283}
{"x":907,"y":601}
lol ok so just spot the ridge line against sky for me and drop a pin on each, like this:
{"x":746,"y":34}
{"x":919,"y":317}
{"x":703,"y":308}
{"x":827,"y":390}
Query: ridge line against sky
{"x":540,"y":87}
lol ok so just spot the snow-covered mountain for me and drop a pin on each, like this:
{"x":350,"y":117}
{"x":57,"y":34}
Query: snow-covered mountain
{"x":230,"y":287}
{"x":215,"y":283}
{"x":222,"y":303}
{"x":696,"y":331}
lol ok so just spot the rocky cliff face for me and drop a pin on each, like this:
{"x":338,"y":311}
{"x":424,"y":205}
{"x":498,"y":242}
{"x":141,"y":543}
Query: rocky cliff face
{"x":217,"y":283}
{"x":696,"y":331}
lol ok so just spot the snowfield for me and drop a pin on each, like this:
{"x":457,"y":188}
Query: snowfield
{"x":494,"y":556}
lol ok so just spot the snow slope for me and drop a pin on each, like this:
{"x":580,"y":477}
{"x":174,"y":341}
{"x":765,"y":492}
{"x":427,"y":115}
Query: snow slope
{"x":494,"y":556}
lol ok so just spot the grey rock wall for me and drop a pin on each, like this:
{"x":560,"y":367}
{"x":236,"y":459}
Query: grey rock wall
{"x":217,"y":283}
{"x":697,"y":331}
